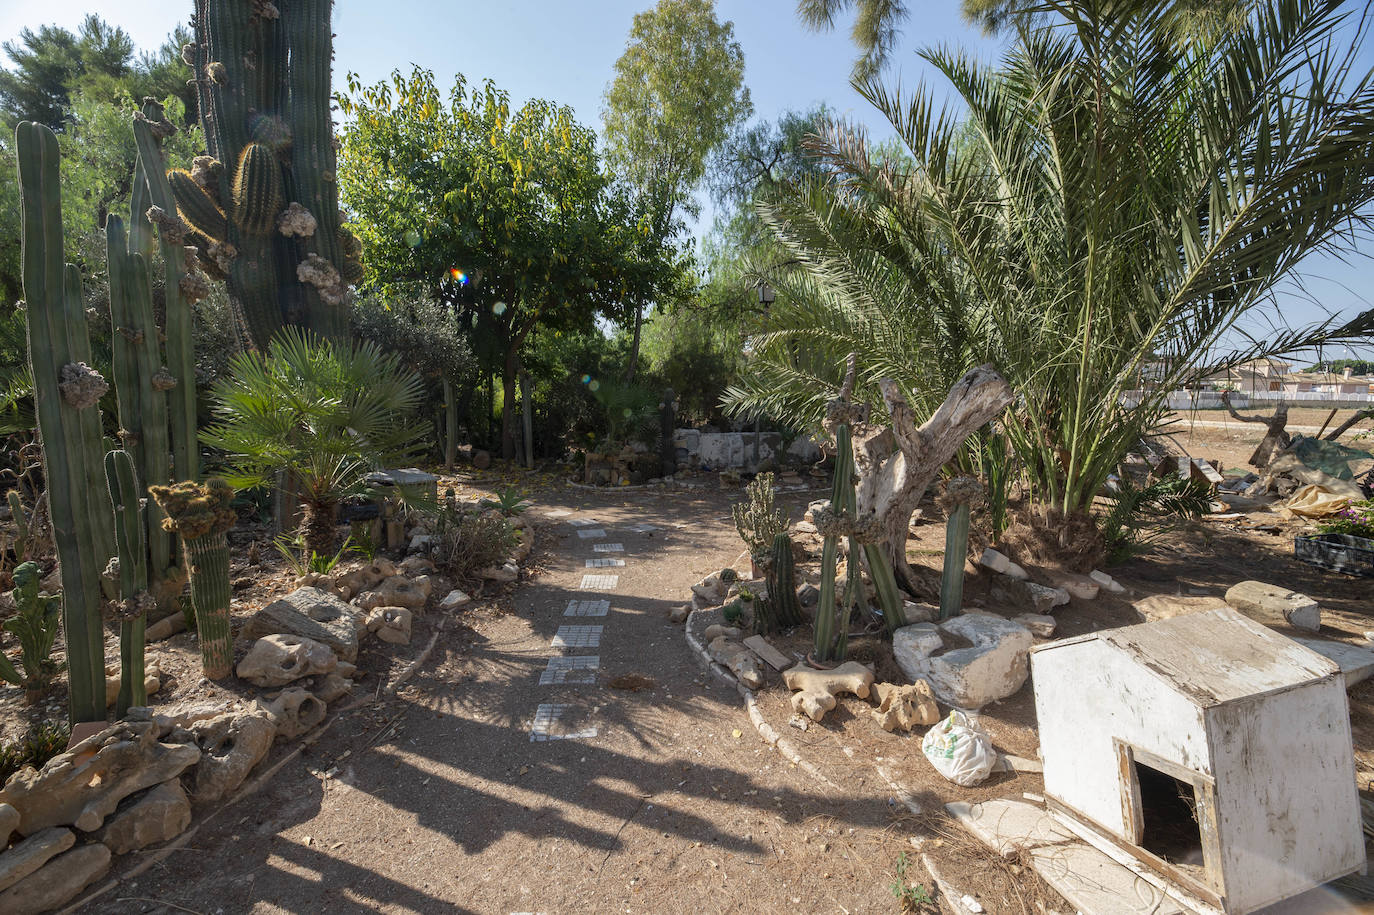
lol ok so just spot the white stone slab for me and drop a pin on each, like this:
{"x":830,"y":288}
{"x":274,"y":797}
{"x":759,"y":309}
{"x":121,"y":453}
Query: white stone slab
{"x":1006,"y":825}
{"x":591,"y":533}
{"x":1094,"y":884}
{"x":578,"y":637}
{"x":558,"y":513}
{"x":761,"y":647}
{"x":550,"y":724}
{"x":644,"y":528}
{"x":599,"y":582}
{"x":570,"y":669}
{"x":1355,"y":662}
{"x":584,"y":522}
{"x":608,"y":547}
{"x":604,"y":563}
{"x":587,"y":608}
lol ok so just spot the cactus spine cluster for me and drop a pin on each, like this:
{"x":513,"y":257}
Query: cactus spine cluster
{"x":201,"y":515}
{"x":757,"y":520}
{"x":262,"y":74}
{"x":134,"y":602}
{"x":59,"y":353}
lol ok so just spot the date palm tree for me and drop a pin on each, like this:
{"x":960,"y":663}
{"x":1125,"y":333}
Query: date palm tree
{"x":1106,"y":205}
{"x":324,"y":413}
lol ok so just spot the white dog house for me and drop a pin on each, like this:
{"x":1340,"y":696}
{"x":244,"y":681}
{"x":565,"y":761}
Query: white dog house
{"x":1212,"y":750}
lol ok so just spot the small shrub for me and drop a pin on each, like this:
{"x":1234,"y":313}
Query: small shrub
{"x":1159,"y":500}
{"x":35,"y":624}
{"x":508,"y":502}
{"x":1355,"y":521}
{"x":467,"y":541}
{"x":38,"y":745}
{"x":911,"y":895}
{"x":309,"y":561}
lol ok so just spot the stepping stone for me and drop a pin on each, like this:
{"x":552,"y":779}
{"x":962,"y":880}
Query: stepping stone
{"x":644,"y":528}
{"x":1357,"y":664}
{"x":587,"y":608}
{"x":604,"y":563}
{"x":557,"y":721}
{"x":608,"y":547}
{"x":570,"y":669}
{"x":578,"y":637}
{"x":1007,"y":826}
{"x":764,"y":649}
{"x":558,"y":513}
{"x":583,"y":522}
{"x":599,"y":582}
{"x":591,"y":533}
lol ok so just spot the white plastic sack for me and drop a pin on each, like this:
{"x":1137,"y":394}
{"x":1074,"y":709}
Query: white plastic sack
{"x":958,"y":751}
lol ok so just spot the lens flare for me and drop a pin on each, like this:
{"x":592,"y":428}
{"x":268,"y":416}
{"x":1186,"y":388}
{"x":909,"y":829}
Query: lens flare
{"x":499,"y":308}
{"x":413,"y":238}
{"x":586,"y":378}
{"x":459,"y":276}
{"x":593,"y":385}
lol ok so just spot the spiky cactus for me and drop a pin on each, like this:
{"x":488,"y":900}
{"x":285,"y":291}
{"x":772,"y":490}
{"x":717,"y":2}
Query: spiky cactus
{"x":832,"y":615}
{"x":757,"y":520}
{"x":200,"y":515}
{"x":21,"y":525}
{"x":263,"y":207}
{"x":66,"y":391}
{"x":780,"y":609}
{"x":34,"y":623}
{"x":131,"y":610}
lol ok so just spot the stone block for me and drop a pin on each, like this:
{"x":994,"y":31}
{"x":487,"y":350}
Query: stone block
{"x":161,"y":814}
{"x":312,"y":614}
{"x":1275,"y":605}
{"x":57,"y":882}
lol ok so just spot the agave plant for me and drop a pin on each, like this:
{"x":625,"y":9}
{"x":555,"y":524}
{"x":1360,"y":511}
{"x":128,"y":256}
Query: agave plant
{"x":1093,"y":216}
{"x":322,"y":413}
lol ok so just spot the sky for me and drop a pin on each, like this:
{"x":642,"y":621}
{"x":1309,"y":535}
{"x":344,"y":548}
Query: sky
{"x":565,"y":50}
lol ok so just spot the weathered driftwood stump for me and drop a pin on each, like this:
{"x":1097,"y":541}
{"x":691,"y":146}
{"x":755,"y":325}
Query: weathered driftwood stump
{"x":897,"y":463}
{"x":1276,"y":437}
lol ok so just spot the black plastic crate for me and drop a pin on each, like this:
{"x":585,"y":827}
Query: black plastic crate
{"x":1337,"y":552}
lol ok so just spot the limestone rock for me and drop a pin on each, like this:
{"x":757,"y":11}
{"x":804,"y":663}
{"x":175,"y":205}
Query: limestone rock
{"x":1106,"y":581}
{"x":905,"y":707}
{"x":679,"y":613}
{"x":414,"y":565}
{"x":165,"y":628}
{"x":397,"y":591}
{"x":182,"y":715}
{"x":161,"y":814}
{"x":57,"y":882}
{"x":1167,"y":606}
{"x":993,"y":668}
{"x":454,"y":600}
{"x":913,"y":645}
{"x":808,"y":595}
{"x":312,"y":614}
{"x":421,"y":543}
{"x":716,"y":630}
{"x":276,"y":660}
{"x":997,"y":562}
{"x":347,"y":670}
{"x":356,"y":578}
{"x":1082,"y":587}
{"x":32,"y":853}
{"x":918,"y":612}
{"x":333,"y":687}
{"x":739,"y":660}
{"x":1275,"y":605}
{"x":712,"y":590}
{"x":233,"y":744}
{"x":9,"y":822}
{"x":817,"y":689}
{"x":1028,"y":595}
{"x":1040,"y":625}
{"x":85,"y":784}
{"x":390,"y":624}
{"x":294,"y":712}
{"x":503,"y":574}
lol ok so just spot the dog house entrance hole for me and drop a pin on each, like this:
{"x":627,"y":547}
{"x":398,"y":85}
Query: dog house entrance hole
{"x":1169,"y":824}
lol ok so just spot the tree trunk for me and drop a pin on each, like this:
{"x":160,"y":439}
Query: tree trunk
{"x":508,"y":403}
{"x":634,"y":345}
{"x":318,"y":530}
{"x":450,"y":426}
{"x":527,"y":415}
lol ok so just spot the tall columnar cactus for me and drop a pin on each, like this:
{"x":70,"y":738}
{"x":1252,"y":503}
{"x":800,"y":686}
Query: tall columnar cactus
{"x":131,"y":610}
{"x":832,"y":615}
{"x":263,"y":206}
{"x":781,"y":608}
{"x":21,"y":525}
{"x":66,"y":391}
{"x":200,"y":515}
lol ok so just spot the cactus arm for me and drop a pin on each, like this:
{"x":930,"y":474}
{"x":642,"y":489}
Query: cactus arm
{"x":140,"y":231}
{"x":889,"y":598}
{"x":133,"y":578}
{"x":832,"y":620}
{"x":55,"y":309}
{"x":21,"y":541}
{"x":208,"y":560}
{"x":181,"y":356}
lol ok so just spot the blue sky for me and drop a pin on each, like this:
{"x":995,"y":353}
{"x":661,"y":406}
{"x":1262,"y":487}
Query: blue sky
{"x":565,"y":51}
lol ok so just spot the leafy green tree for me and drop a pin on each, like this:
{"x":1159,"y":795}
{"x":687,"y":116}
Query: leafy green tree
{"x":324,"y":413}
{"x":504,"y":216}
{"x":678,"y":90}
{"x":1124,"y":200}
{"x":50,"y":65}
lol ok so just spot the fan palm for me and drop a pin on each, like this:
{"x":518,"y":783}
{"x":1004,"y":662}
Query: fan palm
{"x":1106,"y":209}
{"x":324,"y":413}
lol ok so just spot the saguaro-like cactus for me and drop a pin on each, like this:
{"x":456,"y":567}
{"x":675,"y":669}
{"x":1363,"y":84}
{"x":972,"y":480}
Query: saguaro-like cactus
{"x":132,"y":608}
{"x":66,"y":391}
{"x":782,"y":582}
{"x":264,"y":205}
{"x":201,"y":515}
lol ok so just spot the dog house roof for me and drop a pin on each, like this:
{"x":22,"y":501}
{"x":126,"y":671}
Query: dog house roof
{"x":1215,"y":657}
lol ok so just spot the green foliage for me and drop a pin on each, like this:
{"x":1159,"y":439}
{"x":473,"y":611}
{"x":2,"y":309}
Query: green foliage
{"x":52,"y":64}
{"x":1356,"y":520}
{"x":303,"y":561}
{"x":509,"y":502}
{"x":428,"y":336}
{"x":468,"y":541}
{"x":1114,"y":201}
{"x":1132,"y":507}
{"x":630,"y":412}
{"x":733,"y":612}
{"x":910,"y":895}
{"x":35,"y":624}
{"x":758,"y":520}
{"x":1356,"y":366}
{"x":696,"y":349}
{"x":326,"y":414}
{"x":40,"y":743}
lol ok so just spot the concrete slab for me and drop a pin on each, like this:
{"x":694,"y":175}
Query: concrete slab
{"x":1094,"y":884}
{"x":1006,"y":825}
{"x":774,"y":658}
{"x":1356,"y":663}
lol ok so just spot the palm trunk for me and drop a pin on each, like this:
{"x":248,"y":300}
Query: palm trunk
{"x":319,"y":528}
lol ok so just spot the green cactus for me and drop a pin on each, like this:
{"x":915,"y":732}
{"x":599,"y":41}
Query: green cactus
{"x":757,"y":520}
{"x":35,"y":624}
{"x":832,"y":616}
{"x":21,"y":524}
{"x":782,"y":582}
{"x":135,"y":601}
{"x":65,"y":391}
{"x":262,"y":76}
{"x":201,"y":515}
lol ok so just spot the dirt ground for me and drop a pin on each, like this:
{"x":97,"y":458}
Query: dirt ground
{"x":437,"y":800}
